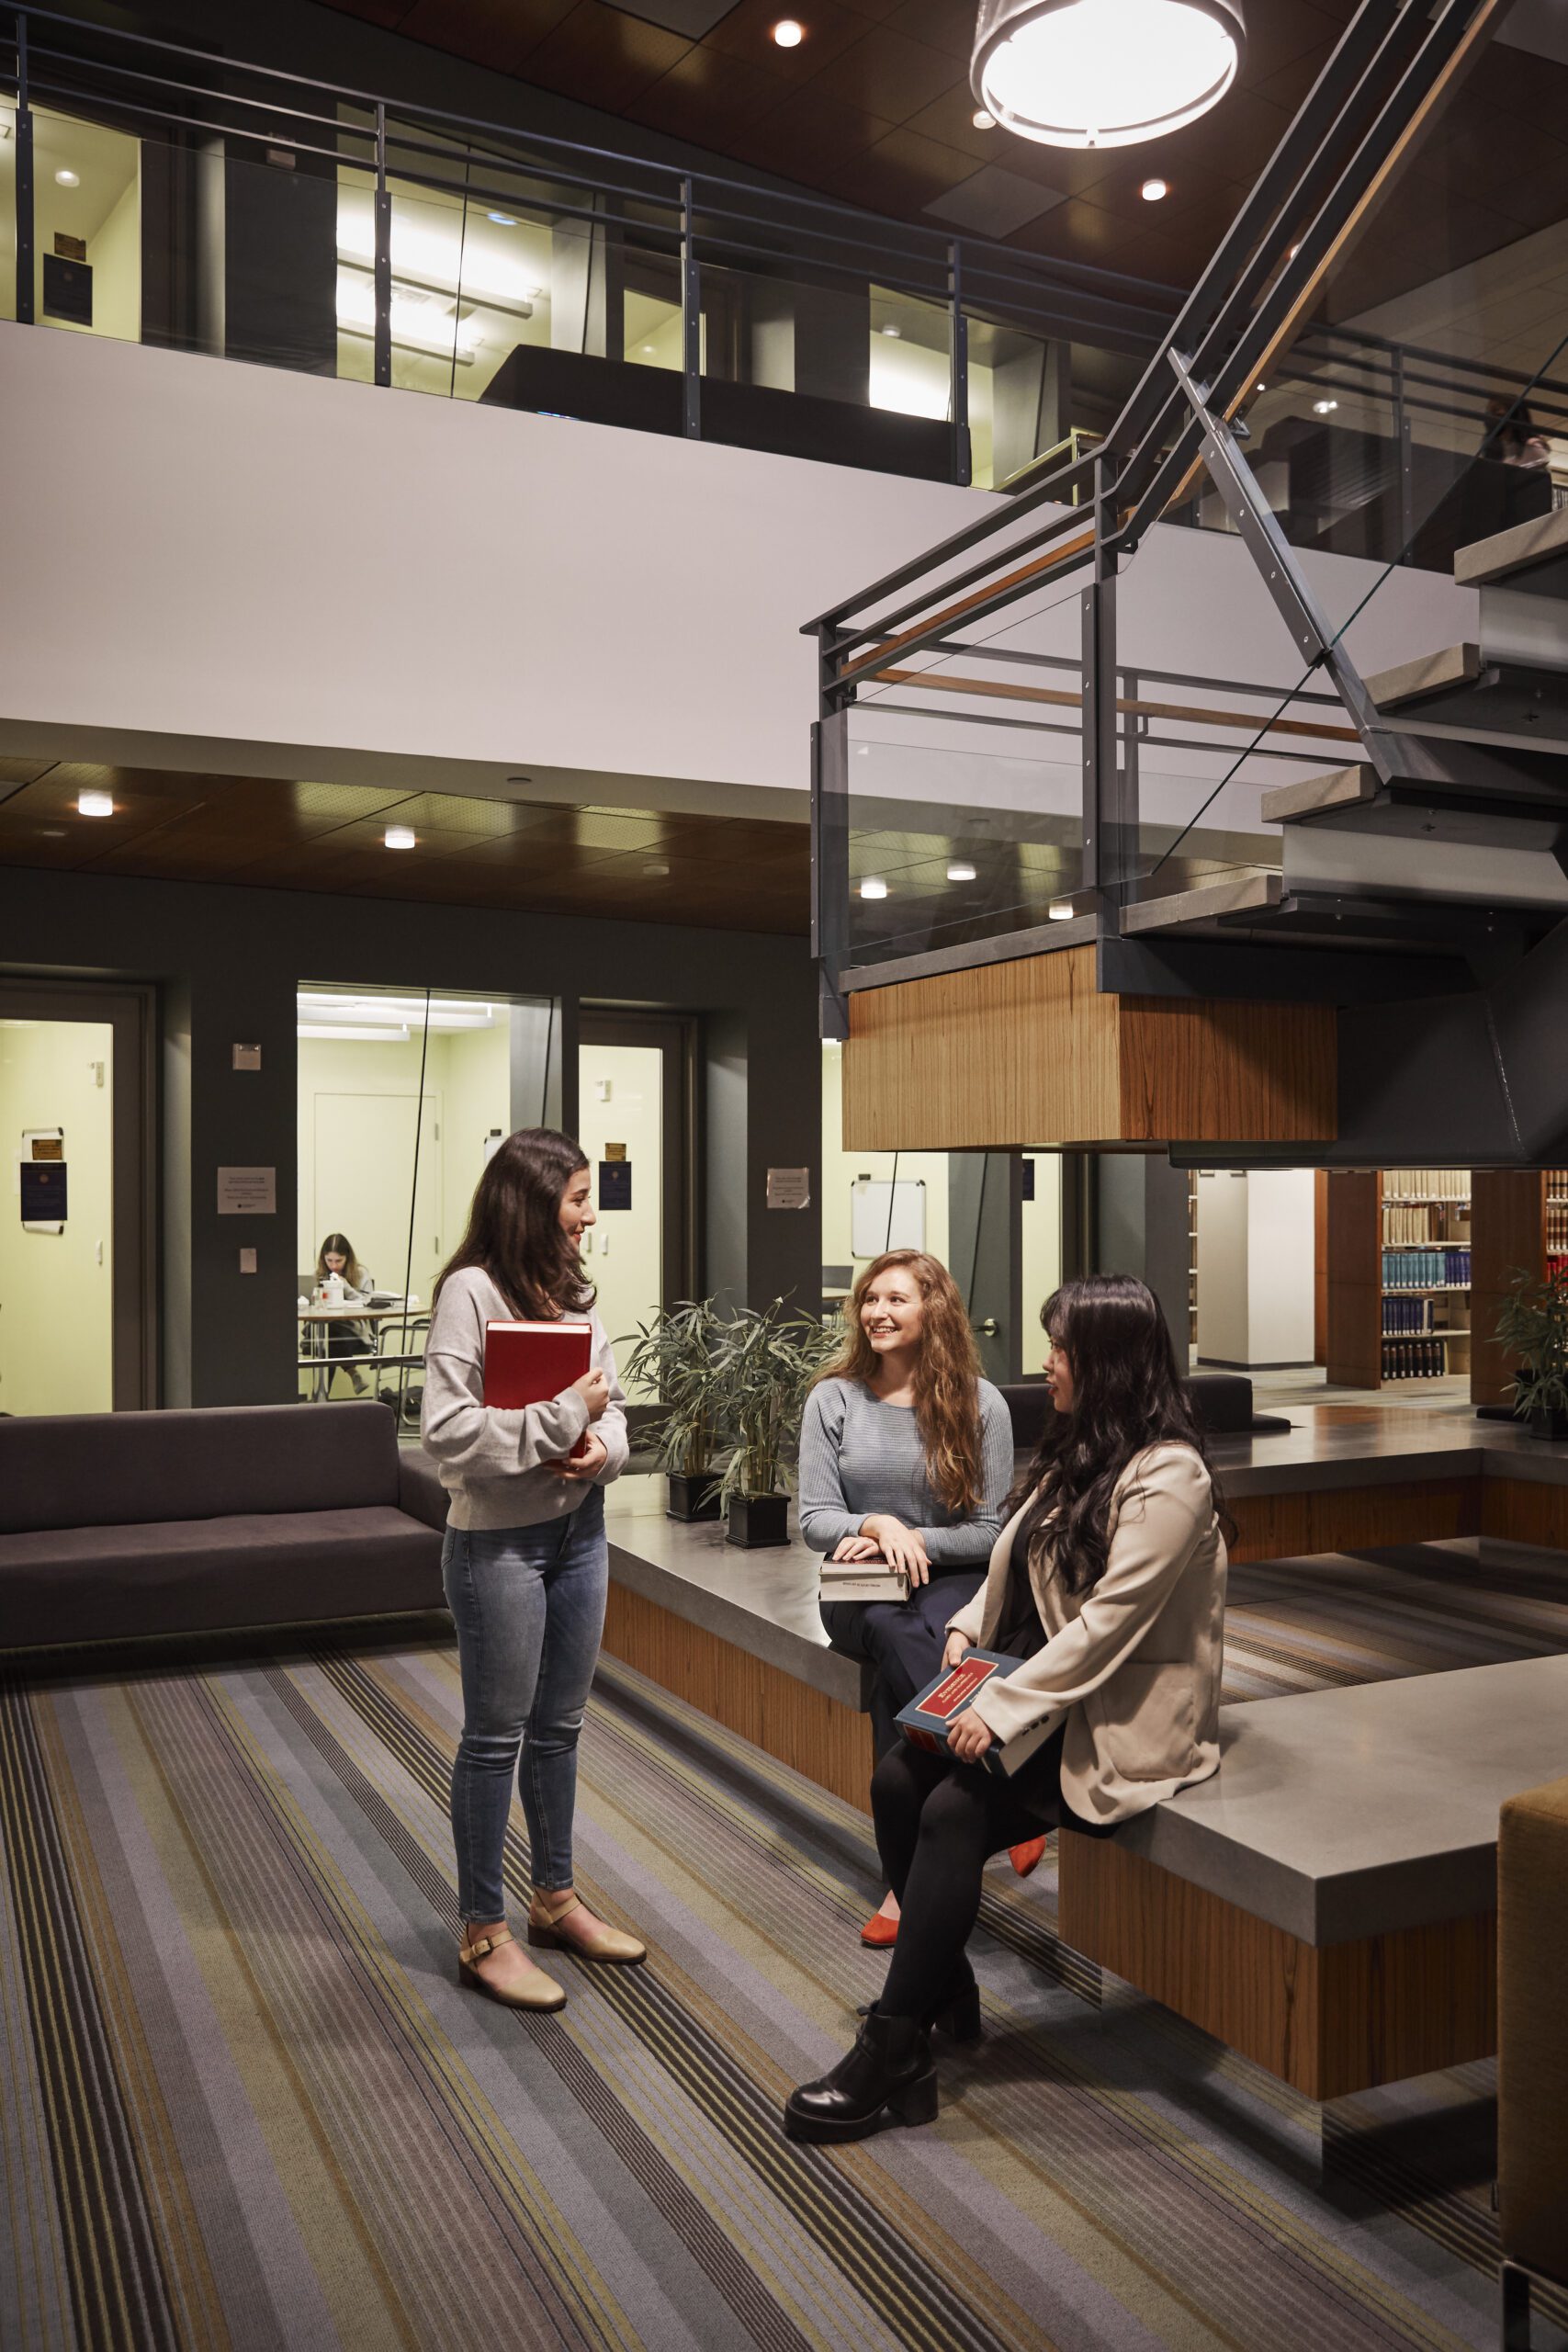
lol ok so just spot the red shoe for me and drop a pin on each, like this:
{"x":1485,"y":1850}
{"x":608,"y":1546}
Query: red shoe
{"x":879,"y":1932}
{"x":1026,"y":1858}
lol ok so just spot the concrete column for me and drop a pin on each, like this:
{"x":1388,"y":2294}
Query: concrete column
{"x":1141,"y":1228}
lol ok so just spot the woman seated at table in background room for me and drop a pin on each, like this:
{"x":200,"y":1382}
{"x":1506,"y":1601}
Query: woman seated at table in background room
{"x":1108,"y":1585}
{"x":905,"y":1455}
{"x":348,"y":1341}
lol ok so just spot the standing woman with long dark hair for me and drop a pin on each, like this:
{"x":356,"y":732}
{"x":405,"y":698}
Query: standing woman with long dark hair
{"x":526,"y":1565}
{"x":1108,"y":1584}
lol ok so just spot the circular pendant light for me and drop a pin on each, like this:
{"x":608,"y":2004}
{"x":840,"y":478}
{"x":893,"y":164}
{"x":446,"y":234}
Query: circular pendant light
{"x":1104,"y":73}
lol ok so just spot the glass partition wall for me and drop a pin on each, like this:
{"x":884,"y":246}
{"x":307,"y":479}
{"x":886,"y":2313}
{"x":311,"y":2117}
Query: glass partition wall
{"x":402,"y":1096}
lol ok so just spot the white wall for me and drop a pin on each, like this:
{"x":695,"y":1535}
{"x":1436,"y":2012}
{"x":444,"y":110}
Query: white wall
{"x":56,"y":1290}
{"x":840,"y":1169}
{"x":267,"y":558}
{"x":278,"y":563}
{"x":1256,"y":1266}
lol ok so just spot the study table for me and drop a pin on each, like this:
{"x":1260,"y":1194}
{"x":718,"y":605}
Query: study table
{"x":316,"y":1322}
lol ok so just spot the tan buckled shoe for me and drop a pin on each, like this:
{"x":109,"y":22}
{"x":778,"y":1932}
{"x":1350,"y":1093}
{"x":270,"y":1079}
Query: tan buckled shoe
{"x":533,"y":1990}
{"x":589,"y":1938}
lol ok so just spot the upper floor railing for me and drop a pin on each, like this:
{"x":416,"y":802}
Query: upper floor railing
{"x":155,"y":191}
{"x":176,"y":195}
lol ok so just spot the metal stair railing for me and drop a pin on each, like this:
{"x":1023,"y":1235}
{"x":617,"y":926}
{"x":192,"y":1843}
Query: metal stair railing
{"x":1388,"y":71}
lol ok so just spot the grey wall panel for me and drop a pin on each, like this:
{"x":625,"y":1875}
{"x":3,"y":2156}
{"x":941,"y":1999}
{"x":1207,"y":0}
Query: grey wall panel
{"x":228,"y":961}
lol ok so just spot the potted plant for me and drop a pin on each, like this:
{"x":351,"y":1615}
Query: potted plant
{"x":675,"y":1355}
{"x":1533,"y":1325}
{"x":765,"y":1367}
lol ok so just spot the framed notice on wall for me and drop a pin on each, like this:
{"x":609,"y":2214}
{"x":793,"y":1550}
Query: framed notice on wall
{"x":41,"y":1180}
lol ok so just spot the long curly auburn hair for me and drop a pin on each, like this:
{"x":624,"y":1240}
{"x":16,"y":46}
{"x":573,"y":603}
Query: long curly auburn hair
{"x":947,"y":1373}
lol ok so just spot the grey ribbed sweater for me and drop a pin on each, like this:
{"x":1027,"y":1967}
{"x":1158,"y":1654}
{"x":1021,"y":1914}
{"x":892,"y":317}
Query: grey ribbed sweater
{"x":858,"y":1455}
{"x":492,"y":1462}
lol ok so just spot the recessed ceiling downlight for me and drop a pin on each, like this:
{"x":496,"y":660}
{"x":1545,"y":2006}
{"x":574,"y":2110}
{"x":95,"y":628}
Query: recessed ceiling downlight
{"x":95,"y":804}
{"x":873,"y":887}
{"x":400,"y":837}
{"x":788,"y":34}
{"x":1104,"y":73}
{"x":960,"y":871}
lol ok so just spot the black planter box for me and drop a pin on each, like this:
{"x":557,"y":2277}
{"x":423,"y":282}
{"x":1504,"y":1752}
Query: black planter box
{"x":758,"y":1520}
{"x":1547,"y":1425}
{"x":693,"y":1494}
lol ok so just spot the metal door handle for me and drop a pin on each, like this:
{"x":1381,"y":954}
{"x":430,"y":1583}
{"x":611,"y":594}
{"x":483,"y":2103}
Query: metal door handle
{"x":988,"y":1329}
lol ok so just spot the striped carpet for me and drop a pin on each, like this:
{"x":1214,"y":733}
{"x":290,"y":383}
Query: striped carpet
{"x":245,"y":2103}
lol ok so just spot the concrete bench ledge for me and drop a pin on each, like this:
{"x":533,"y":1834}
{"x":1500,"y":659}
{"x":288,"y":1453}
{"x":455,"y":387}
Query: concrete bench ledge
{"x":1346,"y":1813}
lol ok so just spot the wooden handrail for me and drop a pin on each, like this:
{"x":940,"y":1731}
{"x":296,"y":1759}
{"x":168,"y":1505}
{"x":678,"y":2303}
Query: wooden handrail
{"x":1063,"y":698}
{"x":1046,"y":562}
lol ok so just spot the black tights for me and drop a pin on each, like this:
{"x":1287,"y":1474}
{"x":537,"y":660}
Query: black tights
{"x":937,"y":1823}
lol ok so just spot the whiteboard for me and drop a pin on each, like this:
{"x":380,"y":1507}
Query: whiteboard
{"x":887,"y":1217}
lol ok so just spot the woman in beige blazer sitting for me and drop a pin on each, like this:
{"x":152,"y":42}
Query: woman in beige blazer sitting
{"x":1108,"y":1584}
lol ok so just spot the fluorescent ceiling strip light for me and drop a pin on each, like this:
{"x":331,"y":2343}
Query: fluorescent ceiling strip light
{"x":344,"y":1031}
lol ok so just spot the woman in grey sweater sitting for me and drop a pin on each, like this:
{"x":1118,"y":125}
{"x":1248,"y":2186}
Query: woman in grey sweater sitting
{"x":905,"y":1455}
{"x":525,"y":1564}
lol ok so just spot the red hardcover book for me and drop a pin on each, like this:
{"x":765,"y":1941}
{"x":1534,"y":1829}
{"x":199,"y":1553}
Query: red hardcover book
{"x":527,"y":1362}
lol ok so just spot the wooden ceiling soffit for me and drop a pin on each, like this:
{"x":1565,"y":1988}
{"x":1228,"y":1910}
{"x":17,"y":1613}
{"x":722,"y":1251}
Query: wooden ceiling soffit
{"x":1007,"y":1056}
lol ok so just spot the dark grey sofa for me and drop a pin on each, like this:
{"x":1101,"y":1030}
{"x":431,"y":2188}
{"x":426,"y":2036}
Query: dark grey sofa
{"x":122,"y":1523}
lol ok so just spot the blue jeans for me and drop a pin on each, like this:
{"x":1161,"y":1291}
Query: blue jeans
{"x":528,"y":1603}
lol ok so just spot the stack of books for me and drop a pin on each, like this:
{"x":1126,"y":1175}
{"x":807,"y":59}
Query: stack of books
{"x":863,"y":1580}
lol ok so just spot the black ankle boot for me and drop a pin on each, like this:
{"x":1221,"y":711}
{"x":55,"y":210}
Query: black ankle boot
{"x":957,"y":2014}
{"x":889,"y":2071}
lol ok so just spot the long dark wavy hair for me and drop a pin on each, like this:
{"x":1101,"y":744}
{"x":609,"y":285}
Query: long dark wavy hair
{"x":515,"y":1232}
{"x":1127,"y":1396}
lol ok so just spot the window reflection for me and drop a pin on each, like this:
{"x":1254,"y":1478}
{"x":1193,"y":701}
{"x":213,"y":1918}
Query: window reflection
{"x":401,"y":1098}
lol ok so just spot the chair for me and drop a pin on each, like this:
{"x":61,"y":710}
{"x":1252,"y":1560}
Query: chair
{"x":1532,"y":2051}
{"x":399,"y":1348}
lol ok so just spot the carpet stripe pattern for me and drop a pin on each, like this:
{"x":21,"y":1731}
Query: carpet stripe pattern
{"x":245,"y":2103}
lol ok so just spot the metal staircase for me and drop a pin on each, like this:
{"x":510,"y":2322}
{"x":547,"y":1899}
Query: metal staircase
{"x":1442,"y":843}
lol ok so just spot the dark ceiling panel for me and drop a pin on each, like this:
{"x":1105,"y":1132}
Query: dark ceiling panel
{"x":707,"y":97}
{"x":874,"y":107}
{"x":497,"y":33}
{"x":732,"y":873}
{"x":621,"y":54}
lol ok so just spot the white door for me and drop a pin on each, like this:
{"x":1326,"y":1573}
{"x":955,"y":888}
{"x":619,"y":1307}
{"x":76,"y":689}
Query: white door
{"x":56,"y":1288}
{"x":364,"y":1184}
{"x":620,"y":1125}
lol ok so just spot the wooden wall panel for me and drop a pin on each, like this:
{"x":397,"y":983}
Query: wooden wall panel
{"x":1356,"y":1519}
{"x":1029,"y":1052}
{"x":1320,"y":1266}
{"x":829,"y":1743}
{"x":1000,"y":1055}
{"x":1522,"y":1510}
{"x":1329,"y":2019}
{"x":1507,"y":1231}
{"x":1355,"y":1278}
{"x":1219,"y":1070}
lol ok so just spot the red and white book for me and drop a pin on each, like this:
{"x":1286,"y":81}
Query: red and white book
{"x":527,"y":1363}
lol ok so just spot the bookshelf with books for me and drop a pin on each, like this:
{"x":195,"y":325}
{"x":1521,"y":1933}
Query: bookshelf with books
{"x":1399,"y":1276}
{"x":1521,"y":1227}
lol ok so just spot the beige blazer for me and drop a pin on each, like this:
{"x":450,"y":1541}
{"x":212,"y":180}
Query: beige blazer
{"x":1134,"y":1662}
